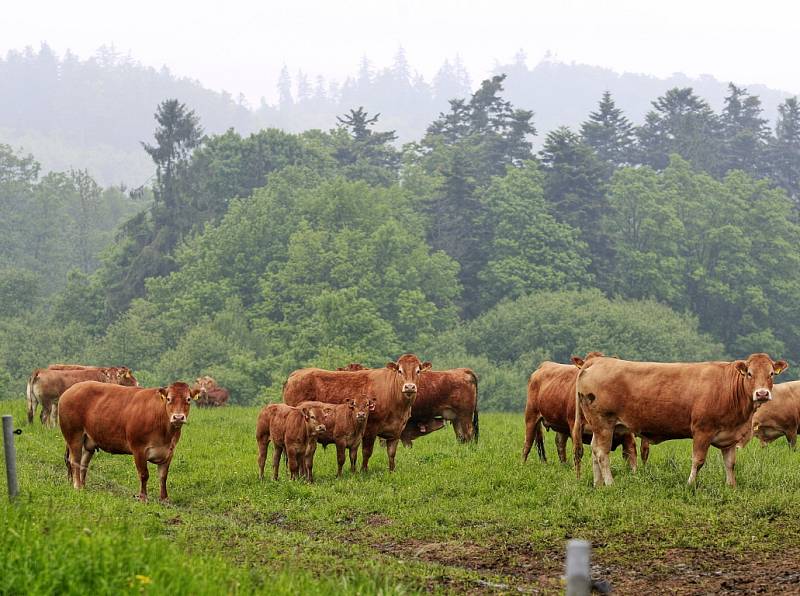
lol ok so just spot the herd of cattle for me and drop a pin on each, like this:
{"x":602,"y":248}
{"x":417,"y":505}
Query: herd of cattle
{"x":599,"y":400}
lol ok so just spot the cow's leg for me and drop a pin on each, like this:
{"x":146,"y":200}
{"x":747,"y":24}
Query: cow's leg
{"x":391,"y":450}
{"x":561,"y":447}
{"x":533,"y":432}
{"x":700,"y":445}
{"x":74,"y":453}
{"x":294,"y":462}
{"x":30,"y":400}
{"x":86,"y":457}
{"x":276,"y":461}
{"x":44,"y":413}
{"x":54,"y":413}
{"x":602,"y":440}
{"x":263,"y":447}
{"x":729,"y":459}
{"x":629,"y":450}
{"x":353,"y":458}
{"x":309,"y":462}
{"x":791,"y":436}
{"x":596,"y":474}
{"x":140,"y":459}
{"x":163,"y":471}
{"x":645,"y":450}
{"x":367,"y":445}
{"x":340,"y":457}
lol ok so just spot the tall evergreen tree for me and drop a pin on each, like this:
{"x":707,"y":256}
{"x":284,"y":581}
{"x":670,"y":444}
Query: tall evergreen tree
{"x":745,"y":132}
{"x":784,"y":150}
{"x":609,"y":132}
{"x":364,"y":153}
{"x":682,"y":123}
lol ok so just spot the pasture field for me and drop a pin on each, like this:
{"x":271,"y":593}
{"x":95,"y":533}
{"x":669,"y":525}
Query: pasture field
{"x":452,"y":518}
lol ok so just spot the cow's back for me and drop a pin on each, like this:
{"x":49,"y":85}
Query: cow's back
{"x":456,"y":389}
{"x":551,"y":392}
{"x":335,"y":387}
{"x":112,"y":415}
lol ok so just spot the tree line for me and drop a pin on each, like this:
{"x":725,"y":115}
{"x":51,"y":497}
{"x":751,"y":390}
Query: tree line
{"x":677,"y":239}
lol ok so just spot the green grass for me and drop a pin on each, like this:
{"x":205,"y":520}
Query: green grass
{"x":452,"y":517}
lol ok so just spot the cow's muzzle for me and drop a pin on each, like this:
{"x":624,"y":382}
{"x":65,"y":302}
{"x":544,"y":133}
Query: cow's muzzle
{"x":409,"y":388}
{"x":762,"y":395}
{"x":178,"y":419}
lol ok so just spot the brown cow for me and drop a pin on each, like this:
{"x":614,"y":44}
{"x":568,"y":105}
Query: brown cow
{"x":272,"y":420}
{"x":45,"y":385}
{"x":344,"y":427}
{"x":709,"y":402}
{"x":778,"y":417}
{"x":551,"y":403}
{"x":211,"y":394}
{"x":143,"y":422}
{"x":394,"y":388}
{"x":442,"y":395}
{"x":295,"y":431}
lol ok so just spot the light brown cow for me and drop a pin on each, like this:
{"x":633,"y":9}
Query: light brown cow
{"x":394,"y":388}
{"x":551,"y":403}
{"x":143,"y":422}
{"x":443,"y":395}
{"x":295,"y":431}
{"x":709,"y":402}
{"x":779,"y":417}
{"x":272,"y":421}
{"x":211,"y":395}
{"x":46,"y":385}
{"x":344,"y":427}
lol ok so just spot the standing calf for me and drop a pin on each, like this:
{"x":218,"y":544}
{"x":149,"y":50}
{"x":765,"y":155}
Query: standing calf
{"x":345,"y":427}
{"x":293,"y":430}
{"x":145,"y":423}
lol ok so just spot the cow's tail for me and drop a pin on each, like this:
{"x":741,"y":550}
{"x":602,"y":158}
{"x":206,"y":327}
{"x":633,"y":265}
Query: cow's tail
{"x":30,"y":397}
{"x":577,"y":432}
{"x":475,"y":426}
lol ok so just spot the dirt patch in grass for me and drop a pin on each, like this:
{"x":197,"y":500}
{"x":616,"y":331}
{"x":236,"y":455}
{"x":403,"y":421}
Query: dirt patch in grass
{"x":527,"y":568}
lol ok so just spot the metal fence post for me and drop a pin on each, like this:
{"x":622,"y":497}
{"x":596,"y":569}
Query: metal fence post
{"x":11,"y":456}
{"x":579,"y":574}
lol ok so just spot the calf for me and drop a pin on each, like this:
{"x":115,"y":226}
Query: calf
{"x":709,"y":402}
{"x":296,"y":433}
{"x":344,"y":427}
{"x":419,"y":428}
{"x":211,"y":394}
{"x":780,"y":416}
{"x":145,"y":423}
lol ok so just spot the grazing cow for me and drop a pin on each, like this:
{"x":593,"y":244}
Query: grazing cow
{"x":710,"y":402}
{"x":211,"y":394}
{"x":143,"y":422}
{"x":344,"y":427}
{"x":394,"y":388}
{"x":272,"y":422}
{"x":46,"y":385}
{"x":551,"y":403}
{"x":779,"y":417}
{"x":442,"y":395}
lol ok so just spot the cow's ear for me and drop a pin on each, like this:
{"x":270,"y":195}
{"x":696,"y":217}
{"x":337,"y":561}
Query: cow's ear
{"x":392,"y":365}
{"x":578,"y":361}
{"x":741,"y":366}
{"x":425,"y":366}
{"x":780,"y":366}
{"x":351,"y":403}
{"x":371,"y":405}
{"x":162,"y":391}
{"x":306,"y":413}
{"x":194,"y":392}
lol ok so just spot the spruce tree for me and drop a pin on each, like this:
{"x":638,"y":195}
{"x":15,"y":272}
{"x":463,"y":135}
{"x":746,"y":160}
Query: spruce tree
{"x":609,"y":132}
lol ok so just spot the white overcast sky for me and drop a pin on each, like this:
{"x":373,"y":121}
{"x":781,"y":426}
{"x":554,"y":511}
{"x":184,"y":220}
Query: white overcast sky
{"x":240,"y":46}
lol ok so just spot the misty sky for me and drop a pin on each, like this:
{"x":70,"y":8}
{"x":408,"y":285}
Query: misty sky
{"x":241,"y":46}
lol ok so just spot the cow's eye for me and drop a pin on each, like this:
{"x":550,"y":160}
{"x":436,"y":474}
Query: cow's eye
{"x":749,"y":374}
{"x":772,"y":374}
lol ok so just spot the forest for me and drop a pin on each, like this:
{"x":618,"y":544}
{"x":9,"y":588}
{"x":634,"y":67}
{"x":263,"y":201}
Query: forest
{"x":251,"y":255}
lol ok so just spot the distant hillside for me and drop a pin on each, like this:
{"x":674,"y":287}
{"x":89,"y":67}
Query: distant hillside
{"x":93,"y":113}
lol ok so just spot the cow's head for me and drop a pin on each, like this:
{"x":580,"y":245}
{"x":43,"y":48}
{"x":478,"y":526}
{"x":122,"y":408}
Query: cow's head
{"x":758,"y":372}
{"x":121,"y":375}
{"x":361,"y":407}
{"x":313,"y":425}
{"x":177,"y":399}
{"x":408,"y":368}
